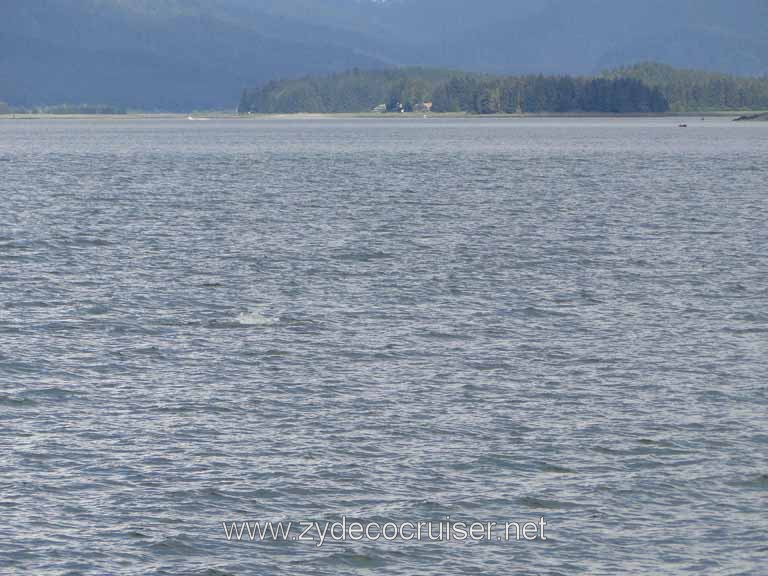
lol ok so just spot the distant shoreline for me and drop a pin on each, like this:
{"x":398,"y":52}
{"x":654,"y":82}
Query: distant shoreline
{"x":368,"y":115}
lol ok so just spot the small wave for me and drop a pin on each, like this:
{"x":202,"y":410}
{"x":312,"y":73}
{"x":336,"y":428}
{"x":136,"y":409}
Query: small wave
{"x":175,"y":545}
{"x":88,"y":241}
{"x":52,"y":392}
{"x":366,"y":256}
{"x":32,"y":304}
{"x":356,"y":560}
{"x":10,"y":245}
{"x":543,"y":503}
{"x":96,"y":310}
{"x":13,"y":401}
{"x":743,"y":331}
{"x":212,"y":572}
{"x":17,"y":367}
{"x":555,"y":469}
{"x":535,"y":312}
{"x":438,"y":335}
{"x":254,"y":318}
{"x":489,"y":366}
{"x":757,"y":482}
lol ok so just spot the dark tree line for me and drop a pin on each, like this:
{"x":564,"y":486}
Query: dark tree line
{"x":408,"y":89}
{"x":486,"y":95}
{"x":696,"y":90}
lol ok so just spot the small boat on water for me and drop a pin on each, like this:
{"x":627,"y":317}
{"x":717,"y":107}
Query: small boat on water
{"x":682,"y":126}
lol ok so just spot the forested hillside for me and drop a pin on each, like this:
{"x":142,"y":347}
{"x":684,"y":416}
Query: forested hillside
{"x":161,"y":54}
{"x":408,"y":89}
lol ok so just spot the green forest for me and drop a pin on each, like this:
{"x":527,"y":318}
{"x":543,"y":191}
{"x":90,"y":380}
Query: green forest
{"x":699,"y":91}
{"x":644,"y":88}
{"x":405,"y":90}
{"x":354,"y":91}
{"x":535,"y":94}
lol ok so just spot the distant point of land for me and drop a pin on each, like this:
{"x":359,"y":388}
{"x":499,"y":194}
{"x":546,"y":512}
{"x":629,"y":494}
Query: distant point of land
{"x":753,"y":117}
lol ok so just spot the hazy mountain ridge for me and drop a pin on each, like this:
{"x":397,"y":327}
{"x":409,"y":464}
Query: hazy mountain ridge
{"x":179,"y":54}
{"x":161,"y":56}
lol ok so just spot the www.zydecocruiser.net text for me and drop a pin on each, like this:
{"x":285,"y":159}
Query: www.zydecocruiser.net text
{"x":320,"y":533}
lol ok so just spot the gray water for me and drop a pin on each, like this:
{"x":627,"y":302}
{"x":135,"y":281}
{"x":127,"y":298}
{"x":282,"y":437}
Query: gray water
{"x":389,"y":321}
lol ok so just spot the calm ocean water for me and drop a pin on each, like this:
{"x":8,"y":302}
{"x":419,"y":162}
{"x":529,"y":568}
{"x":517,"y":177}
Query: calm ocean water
{"x":390,"y":321}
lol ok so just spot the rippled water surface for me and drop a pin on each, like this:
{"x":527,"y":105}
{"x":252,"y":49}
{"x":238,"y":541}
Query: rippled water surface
{"x":389,"y":320}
